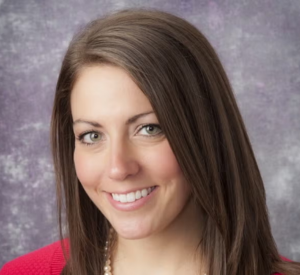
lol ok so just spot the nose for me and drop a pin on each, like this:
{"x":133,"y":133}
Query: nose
{"x":122,"y":162}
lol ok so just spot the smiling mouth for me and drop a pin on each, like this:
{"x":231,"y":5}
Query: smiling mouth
{"x":132,"y":196}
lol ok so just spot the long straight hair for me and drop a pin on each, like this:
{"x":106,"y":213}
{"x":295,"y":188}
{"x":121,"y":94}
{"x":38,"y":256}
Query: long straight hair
{"x":178,"y":70}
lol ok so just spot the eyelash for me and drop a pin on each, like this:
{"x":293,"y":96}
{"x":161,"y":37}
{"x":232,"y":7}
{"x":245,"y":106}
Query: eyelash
{"x":82,"y":135}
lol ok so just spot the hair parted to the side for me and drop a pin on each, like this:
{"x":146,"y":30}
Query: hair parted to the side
{"x":181,"y":75}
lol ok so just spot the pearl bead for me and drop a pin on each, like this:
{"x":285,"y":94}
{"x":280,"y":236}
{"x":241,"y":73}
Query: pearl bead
{"x":107,"y":268}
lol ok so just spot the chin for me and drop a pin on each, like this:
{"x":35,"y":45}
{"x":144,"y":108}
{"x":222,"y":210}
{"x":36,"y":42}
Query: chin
{"x":133,"y":231}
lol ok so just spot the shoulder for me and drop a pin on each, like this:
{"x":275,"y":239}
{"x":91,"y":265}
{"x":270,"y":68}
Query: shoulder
{"x":48,"y":260}
{"x":283,"y":258}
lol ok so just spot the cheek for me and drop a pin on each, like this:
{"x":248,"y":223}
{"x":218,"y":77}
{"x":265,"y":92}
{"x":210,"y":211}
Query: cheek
{"x":162,"y":163}
{"x":87,"y":170}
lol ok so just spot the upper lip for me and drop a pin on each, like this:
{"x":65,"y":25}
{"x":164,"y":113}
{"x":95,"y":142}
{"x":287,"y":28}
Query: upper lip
{"x":131,"y":190}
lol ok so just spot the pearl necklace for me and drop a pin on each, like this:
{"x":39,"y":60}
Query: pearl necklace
{"x":107,"y":255}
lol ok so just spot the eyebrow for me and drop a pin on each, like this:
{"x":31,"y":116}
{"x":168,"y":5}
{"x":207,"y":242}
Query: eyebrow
{"x":129,"y":121}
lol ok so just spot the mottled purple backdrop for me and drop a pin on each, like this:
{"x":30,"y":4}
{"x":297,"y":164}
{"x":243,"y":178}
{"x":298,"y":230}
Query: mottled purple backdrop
{"x":259,"y":44}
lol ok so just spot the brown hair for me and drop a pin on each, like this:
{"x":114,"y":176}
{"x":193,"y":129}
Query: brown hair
{"x":181,"y":75}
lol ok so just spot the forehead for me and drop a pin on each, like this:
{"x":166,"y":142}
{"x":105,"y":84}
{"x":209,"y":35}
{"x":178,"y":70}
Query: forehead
{"x":106,"y":89}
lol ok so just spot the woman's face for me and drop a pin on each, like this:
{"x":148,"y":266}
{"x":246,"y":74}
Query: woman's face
{"x":122,"y":158}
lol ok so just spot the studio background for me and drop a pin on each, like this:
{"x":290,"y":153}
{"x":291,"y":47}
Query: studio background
{"x":259,"y":45}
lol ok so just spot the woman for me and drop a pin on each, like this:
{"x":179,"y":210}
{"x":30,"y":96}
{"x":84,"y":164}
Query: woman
{"x":155,"y":171}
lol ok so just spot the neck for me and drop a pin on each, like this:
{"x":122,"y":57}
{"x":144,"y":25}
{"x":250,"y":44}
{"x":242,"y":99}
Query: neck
{"x":173,"y":250}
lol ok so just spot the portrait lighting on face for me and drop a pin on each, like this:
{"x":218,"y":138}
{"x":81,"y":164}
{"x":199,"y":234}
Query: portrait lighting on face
{"x":122,"y":157}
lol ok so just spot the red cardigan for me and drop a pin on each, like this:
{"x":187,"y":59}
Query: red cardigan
{"x":48,"y":260}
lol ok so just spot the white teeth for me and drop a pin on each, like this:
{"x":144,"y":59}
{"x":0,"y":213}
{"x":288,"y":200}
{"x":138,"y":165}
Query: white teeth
{"x":132,"y":196}
{"x":116,"y":197}
{"x":123,"y":198}
{"x":144,"y":192}
{"x":138,"y":195}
